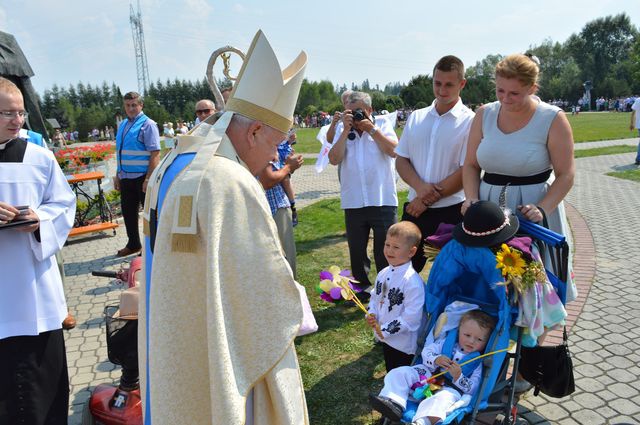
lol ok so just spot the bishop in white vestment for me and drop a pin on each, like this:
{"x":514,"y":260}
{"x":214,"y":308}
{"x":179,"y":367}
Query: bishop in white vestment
{"x":223,"y":308}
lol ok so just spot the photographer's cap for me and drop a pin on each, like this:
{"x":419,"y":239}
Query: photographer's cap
{"x":263,"y":92}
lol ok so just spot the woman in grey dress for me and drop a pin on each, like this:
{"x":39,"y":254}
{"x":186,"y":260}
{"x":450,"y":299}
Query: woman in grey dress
{"x":524,"y":142}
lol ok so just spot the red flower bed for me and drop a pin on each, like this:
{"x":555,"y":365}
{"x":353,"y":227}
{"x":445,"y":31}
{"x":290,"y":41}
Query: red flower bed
{"x":71,"y":159}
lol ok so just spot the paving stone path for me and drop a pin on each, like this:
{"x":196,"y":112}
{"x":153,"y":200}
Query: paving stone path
{"x":604,"y":338}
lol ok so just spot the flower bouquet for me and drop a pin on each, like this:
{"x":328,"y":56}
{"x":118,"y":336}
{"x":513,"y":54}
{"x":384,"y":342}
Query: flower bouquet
{"x":337,"y":285}
{"x":539,"y":306}
{"x":519,"y":270}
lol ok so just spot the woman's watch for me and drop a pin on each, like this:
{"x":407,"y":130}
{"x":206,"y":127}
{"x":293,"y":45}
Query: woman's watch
{"x":373,"y":130}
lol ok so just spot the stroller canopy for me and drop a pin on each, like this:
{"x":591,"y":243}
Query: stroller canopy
{"x":462,"y":272}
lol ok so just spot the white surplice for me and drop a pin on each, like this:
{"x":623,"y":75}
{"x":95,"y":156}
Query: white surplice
{"x":31,"y":295}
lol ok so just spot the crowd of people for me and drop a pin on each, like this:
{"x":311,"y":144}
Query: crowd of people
{"x":320,"y":119}
{"x":517,"y":141}
{"x":601,"y":104}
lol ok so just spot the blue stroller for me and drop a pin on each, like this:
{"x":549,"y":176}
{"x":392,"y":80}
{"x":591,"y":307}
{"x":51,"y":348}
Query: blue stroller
{"x":468,"y":274}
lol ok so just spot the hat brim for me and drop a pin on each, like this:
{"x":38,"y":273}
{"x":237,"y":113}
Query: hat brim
{"x":488,"y":240}
{"x":117,"y":315}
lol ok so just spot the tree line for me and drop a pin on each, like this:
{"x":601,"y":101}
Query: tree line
{"x":606,"y":52}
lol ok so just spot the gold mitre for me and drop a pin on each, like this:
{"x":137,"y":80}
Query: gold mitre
{"x":262,"y":92}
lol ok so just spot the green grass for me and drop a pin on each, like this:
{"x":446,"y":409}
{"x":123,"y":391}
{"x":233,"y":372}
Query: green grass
{"x":587,"y":127}
{"x":307,"y":142}
{"x":607,"y":150}
{"x":633,"y":175}
{"x":339,"y":363}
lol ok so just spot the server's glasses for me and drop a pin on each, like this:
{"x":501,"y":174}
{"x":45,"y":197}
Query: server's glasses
{"x":9,"y":115}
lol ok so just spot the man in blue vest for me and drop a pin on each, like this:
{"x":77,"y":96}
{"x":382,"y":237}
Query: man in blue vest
{"x":32,"y":137}
{"x":137,"y":154}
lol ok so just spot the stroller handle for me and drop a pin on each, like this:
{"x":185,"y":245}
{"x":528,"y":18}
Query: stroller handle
{"x":100,"y":273}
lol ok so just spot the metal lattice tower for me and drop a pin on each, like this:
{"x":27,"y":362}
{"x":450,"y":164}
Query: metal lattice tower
{"x":141,"y":52}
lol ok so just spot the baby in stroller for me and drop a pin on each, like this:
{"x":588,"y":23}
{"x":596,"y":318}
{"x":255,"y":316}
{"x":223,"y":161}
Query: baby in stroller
{"x":467,"y":271}
{"x":445,"y":353}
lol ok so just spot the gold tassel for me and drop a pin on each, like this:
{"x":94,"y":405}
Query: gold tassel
{"x":145,"y":227}
{"x":184,"y":243}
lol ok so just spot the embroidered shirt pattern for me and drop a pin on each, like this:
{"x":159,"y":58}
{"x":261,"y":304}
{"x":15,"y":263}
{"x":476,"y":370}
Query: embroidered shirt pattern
{"x":378,"y":287}
{"x":393,"y":327}
{"x":396,"y":297}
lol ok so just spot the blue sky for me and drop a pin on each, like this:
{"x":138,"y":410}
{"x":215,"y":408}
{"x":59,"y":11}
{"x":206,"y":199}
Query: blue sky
{"x":67,"y":41}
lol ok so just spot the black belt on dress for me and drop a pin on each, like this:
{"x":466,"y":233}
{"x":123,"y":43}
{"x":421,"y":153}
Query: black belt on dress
{"x":501,"y":179}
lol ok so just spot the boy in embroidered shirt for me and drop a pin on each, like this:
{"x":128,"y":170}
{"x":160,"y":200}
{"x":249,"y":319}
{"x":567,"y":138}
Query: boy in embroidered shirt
{"x":472,"y":334}
{"x":397,"y":301}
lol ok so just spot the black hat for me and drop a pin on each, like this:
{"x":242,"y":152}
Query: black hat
{"x":485,"y":224}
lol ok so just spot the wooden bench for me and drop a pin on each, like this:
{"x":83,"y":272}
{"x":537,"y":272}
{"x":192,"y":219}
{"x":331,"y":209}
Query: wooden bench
{"x":83,"y":177}
{"x":81,"y":225}
{"x":92,"y":228}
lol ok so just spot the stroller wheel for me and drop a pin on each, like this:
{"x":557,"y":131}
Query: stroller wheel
{"x":501,"y":419}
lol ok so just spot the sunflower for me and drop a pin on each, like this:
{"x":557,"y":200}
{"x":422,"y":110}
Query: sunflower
{"x":510,"y":261}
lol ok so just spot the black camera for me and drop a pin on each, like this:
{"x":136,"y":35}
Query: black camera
{"x":359,"y":115}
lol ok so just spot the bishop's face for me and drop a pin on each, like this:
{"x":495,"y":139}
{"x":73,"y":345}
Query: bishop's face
{"x":264,"y":148}
{"x":10,"y":127}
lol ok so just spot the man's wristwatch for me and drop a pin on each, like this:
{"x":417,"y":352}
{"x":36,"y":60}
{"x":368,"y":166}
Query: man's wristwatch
{"x":373,"y":131}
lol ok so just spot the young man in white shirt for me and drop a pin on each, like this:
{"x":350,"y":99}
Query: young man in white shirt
{"x":431,"y":152}
{"x":365,"y":152}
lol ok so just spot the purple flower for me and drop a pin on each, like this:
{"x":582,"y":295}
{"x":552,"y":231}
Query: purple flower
{"x":345,"y":273}
{"x":336,"y":293}
{"x":326,"y":297}
{"x":325,"y":275}
{"x":355,"y":287}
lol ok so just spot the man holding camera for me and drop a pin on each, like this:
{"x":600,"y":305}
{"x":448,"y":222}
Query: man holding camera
{"x":365,"y":151}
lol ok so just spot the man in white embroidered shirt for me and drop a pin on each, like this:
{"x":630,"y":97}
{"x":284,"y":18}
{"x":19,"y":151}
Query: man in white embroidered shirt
{"x":365,"y":151}
{"x":431,"y":153}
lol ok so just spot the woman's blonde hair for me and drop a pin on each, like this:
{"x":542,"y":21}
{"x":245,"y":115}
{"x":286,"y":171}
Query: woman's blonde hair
{"x":518,"y":66}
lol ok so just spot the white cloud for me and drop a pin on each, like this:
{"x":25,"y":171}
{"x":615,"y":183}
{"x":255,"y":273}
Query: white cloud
{"x":200,"y":8}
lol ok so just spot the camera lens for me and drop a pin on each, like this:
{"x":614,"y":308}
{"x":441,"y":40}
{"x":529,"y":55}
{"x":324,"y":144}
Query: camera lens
{"x":352,"y":135}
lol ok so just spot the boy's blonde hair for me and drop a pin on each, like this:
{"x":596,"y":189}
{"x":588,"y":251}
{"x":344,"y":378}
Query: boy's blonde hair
{"x":483,"y":320}
{"x":407,"y":231}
